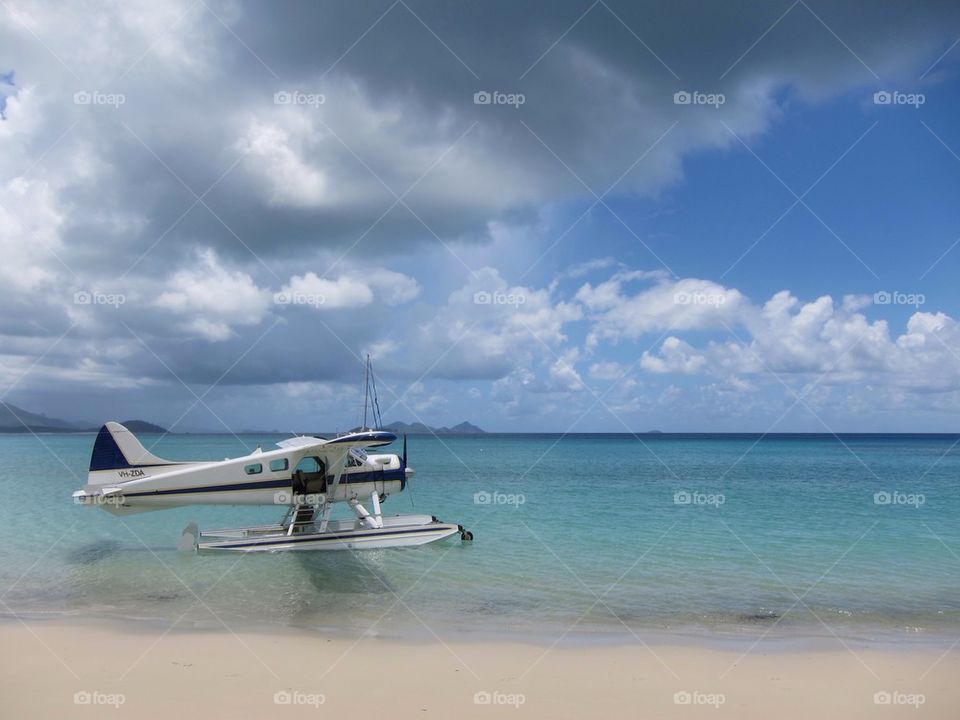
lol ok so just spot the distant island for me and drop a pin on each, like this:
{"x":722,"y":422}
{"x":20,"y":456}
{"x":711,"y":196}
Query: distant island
{"x":15,"y":419}
{"x":142,"y":426}
{"x":402,"y":428}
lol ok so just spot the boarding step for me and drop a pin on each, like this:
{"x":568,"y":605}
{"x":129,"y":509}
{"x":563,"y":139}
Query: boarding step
{"x":304,"y":515}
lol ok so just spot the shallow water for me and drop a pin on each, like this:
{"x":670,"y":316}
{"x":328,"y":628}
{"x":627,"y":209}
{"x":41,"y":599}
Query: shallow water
{"x":583,"y":534}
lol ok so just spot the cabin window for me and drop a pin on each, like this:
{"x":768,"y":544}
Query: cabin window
{"x":253,"y":469}
{"x":278,"y":465}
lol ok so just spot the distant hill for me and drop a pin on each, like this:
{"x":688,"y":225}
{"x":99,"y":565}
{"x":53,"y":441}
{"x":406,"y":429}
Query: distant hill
{"x":142,"y":426}
{"x":402,"y":428}
{"x":14,"y":419}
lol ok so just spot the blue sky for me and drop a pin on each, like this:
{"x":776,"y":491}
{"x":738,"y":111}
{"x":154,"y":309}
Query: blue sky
{"x":209,"y":233}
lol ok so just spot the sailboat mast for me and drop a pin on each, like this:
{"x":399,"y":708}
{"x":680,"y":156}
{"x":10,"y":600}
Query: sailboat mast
{"x":366,"y":390}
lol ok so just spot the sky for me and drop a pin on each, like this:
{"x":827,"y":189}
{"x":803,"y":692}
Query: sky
{"x":539,"y":217}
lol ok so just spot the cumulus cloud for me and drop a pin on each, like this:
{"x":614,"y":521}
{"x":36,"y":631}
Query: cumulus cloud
{"x":564,"y":373}
{"x":786,"y":337}
{"x":667,"y":304}
{"x":488,"y":327}
{"x":606,"y":370}
{"x":352,"y":290}
{"x":311,"y":289}
{"x":213,"y":299}
{"x":287,"y":177}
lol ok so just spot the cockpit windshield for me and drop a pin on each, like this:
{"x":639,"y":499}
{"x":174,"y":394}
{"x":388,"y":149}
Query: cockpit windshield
{"x":356,"y":457}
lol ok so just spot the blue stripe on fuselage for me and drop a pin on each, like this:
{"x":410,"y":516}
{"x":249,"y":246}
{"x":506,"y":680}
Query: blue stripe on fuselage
{"x":349,"y":479}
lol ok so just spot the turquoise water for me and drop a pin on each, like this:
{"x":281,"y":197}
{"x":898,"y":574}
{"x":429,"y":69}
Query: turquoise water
{"x":588,"y":534}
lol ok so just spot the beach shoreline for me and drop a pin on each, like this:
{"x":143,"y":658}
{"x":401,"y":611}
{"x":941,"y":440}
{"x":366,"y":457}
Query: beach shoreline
{"x":79,"y":668}
{"x":770,"y":636}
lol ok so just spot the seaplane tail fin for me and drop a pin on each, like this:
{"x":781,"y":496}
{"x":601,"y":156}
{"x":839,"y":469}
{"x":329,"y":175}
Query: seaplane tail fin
{"x":116,"y":448}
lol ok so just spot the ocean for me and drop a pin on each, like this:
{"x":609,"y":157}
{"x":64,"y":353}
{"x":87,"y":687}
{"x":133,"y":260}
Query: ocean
{"x":590,"y":537}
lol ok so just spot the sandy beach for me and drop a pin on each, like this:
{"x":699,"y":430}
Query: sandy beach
{"x":74,"y":669}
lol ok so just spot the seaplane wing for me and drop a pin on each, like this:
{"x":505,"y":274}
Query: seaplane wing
{"x":125,"y":477}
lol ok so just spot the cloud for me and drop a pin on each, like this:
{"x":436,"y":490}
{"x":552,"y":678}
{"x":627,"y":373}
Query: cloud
{"x":310,"y":289}
{"x":401,"y":119}
{"x":395,"y":288}
{"x":674,"y":356}
{"x":786,"y":337}
{"x":563,"y":371}
{"x":200,"y":196}
{"x":606,"y":370}
{"x":351,"y":290}
{"x":288,"y":179}
{"x":684,"y":304}
{"x":487,"y":328}
{"x":213,"y":299}
{"x":580,"y":269}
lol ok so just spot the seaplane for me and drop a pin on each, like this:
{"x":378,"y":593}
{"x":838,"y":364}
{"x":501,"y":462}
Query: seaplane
{"x":306,"y":475}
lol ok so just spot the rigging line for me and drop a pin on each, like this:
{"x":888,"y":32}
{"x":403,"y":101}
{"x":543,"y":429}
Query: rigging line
{"x":377,"y":417}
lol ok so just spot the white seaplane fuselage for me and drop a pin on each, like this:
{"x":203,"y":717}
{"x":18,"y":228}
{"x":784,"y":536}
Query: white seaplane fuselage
{"x":305,"y":476}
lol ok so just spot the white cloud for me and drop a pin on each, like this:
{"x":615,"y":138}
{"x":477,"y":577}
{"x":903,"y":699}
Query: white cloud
{"x":489,"y":327}
{"x":674,"y":356}
{"x":351,"y":290}
{"x":564,"y":374}
{"x":311,"y":289}
{"x":606,"y":370}
{"x":394,"y":288}
{"x":279,"y":165}
{"x":684,"y":304}
{"x":29,"y":235}
{"x":581,"y":269}
{"x":213,"y":299}
{"x":785,"y":337}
